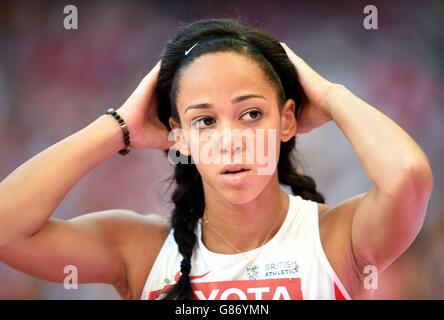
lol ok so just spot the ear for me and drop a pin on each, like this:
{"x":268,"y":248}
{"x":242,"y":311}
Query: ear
{"x":288,"y":120}
{"x":181,"y":143}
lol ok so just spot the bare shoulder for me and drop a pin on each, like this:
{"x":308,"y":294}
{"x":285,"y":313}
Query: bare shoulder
{"x":335,"y":231}
{"x":138,"y":238}
{"x":322,"y":207}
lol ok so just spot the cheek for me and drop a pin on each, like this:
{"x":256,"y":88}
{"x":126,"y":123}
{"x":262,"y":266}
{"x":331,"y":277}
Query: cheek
{"x":267,"y":151}
{"x":204,"y":146}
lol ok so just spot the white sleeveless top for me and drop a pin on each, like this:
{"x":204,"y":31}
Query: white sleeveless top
{"x":290,"y":266}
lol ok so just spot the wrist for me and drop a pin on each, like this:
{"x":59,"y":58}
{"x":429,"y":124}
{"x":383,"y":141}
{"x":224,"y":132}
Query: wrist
{"x":334,"y":93}
{"x":112,"y":132}
{"x":125,"y":132}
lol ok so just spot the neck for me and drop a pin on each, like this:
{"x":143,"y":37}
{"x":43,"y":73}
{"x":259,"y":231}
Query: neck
{"x":246,"y":225}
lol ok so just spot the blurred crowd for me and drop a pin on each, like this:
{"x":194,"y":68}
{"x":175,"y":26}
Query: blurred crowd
{"x":54,"y":81}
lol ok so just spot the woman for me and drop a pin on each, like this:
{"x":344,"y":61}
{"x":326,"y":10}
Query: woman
{"x":233,"y":232}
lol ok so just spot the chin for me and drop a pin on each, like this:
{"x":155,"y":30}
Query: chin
{"x":245,"y":193}
{"x":239,"y":189}
{"x":240,"y":196}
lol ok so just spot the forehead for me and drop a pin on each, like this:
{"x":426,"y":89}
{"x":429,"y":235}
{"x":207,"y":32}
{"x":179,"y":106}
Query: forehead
{"x":218,"y":77}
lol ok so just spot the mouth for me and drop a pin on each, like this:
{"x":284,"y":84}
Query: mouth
{"x":236,"y":176}
{"x":234,"y":169}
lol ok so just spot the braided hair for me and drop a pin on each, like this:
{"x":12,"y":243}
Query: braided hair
{"x":221,"y":35}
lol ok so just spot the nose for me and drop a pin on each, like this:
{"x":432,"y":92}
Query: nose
{"x":232,"y":141}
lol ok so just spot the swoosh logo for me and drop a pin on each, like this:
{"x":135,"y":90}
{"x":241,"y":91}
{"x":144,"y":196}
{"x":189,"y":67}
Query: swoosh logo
{"x":177,"y":276}
{"x":188,"y":51}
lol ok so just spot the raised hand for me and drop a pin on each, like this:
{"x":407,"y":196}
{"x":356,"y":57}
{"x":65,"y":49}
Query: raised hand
{"x":140,"y":114}
{"x":315,"y":111}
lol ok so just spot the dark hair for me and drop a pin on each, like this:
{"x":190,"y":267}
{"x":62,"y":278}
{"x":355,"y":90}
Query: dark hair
{"x":218,"y":35}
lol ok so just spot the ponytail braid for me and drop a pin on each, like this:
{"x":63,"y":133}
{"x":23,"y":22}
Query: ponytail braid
{"x":188,"y":198}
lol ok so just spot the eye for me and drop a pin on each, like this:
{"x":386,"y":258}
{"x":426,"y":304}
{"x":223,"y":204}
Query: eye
{"x":201,"y":122}
{"x":254,"y":114}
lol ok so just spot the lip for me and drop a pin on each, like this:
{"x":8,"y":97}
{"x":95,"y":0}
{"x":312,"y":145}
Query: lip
{"x":234,"y":167}
{"x":236,"y":180}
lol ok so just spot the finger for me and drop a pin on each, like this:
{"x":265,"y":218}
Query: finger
{"x":297,"y":60}
{"x":291,"y":53}
{"x":150,"y":76}
{"x":153,"y":74}
{"x":145,"y":88}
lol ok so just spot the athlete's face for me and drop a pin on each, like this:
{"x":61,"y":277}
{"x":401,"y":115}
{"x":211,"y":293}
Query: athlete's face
{"x":230,"y":114}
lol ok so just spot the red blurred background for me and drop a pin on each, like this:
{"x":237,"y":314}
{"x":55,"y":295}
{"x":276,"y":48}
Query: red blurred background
{"x":54,"y":81}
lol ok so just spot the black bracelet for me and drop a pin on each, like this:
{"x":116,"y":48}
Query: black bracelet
{"x":126,"y":137}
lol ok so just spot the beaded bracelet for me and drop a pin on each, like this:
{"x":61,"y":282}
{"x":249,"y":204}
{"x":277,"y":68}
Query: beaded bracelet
{"x":126,"y":137}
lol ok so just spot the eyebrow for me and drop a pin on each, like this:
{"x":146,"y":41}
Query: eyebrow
{"x":235,"y":100}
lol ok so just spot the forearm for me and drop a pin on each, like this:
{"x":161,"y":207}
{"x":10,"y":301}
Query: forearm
{"x":389,"y":156}
{"x":31,"y":193}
